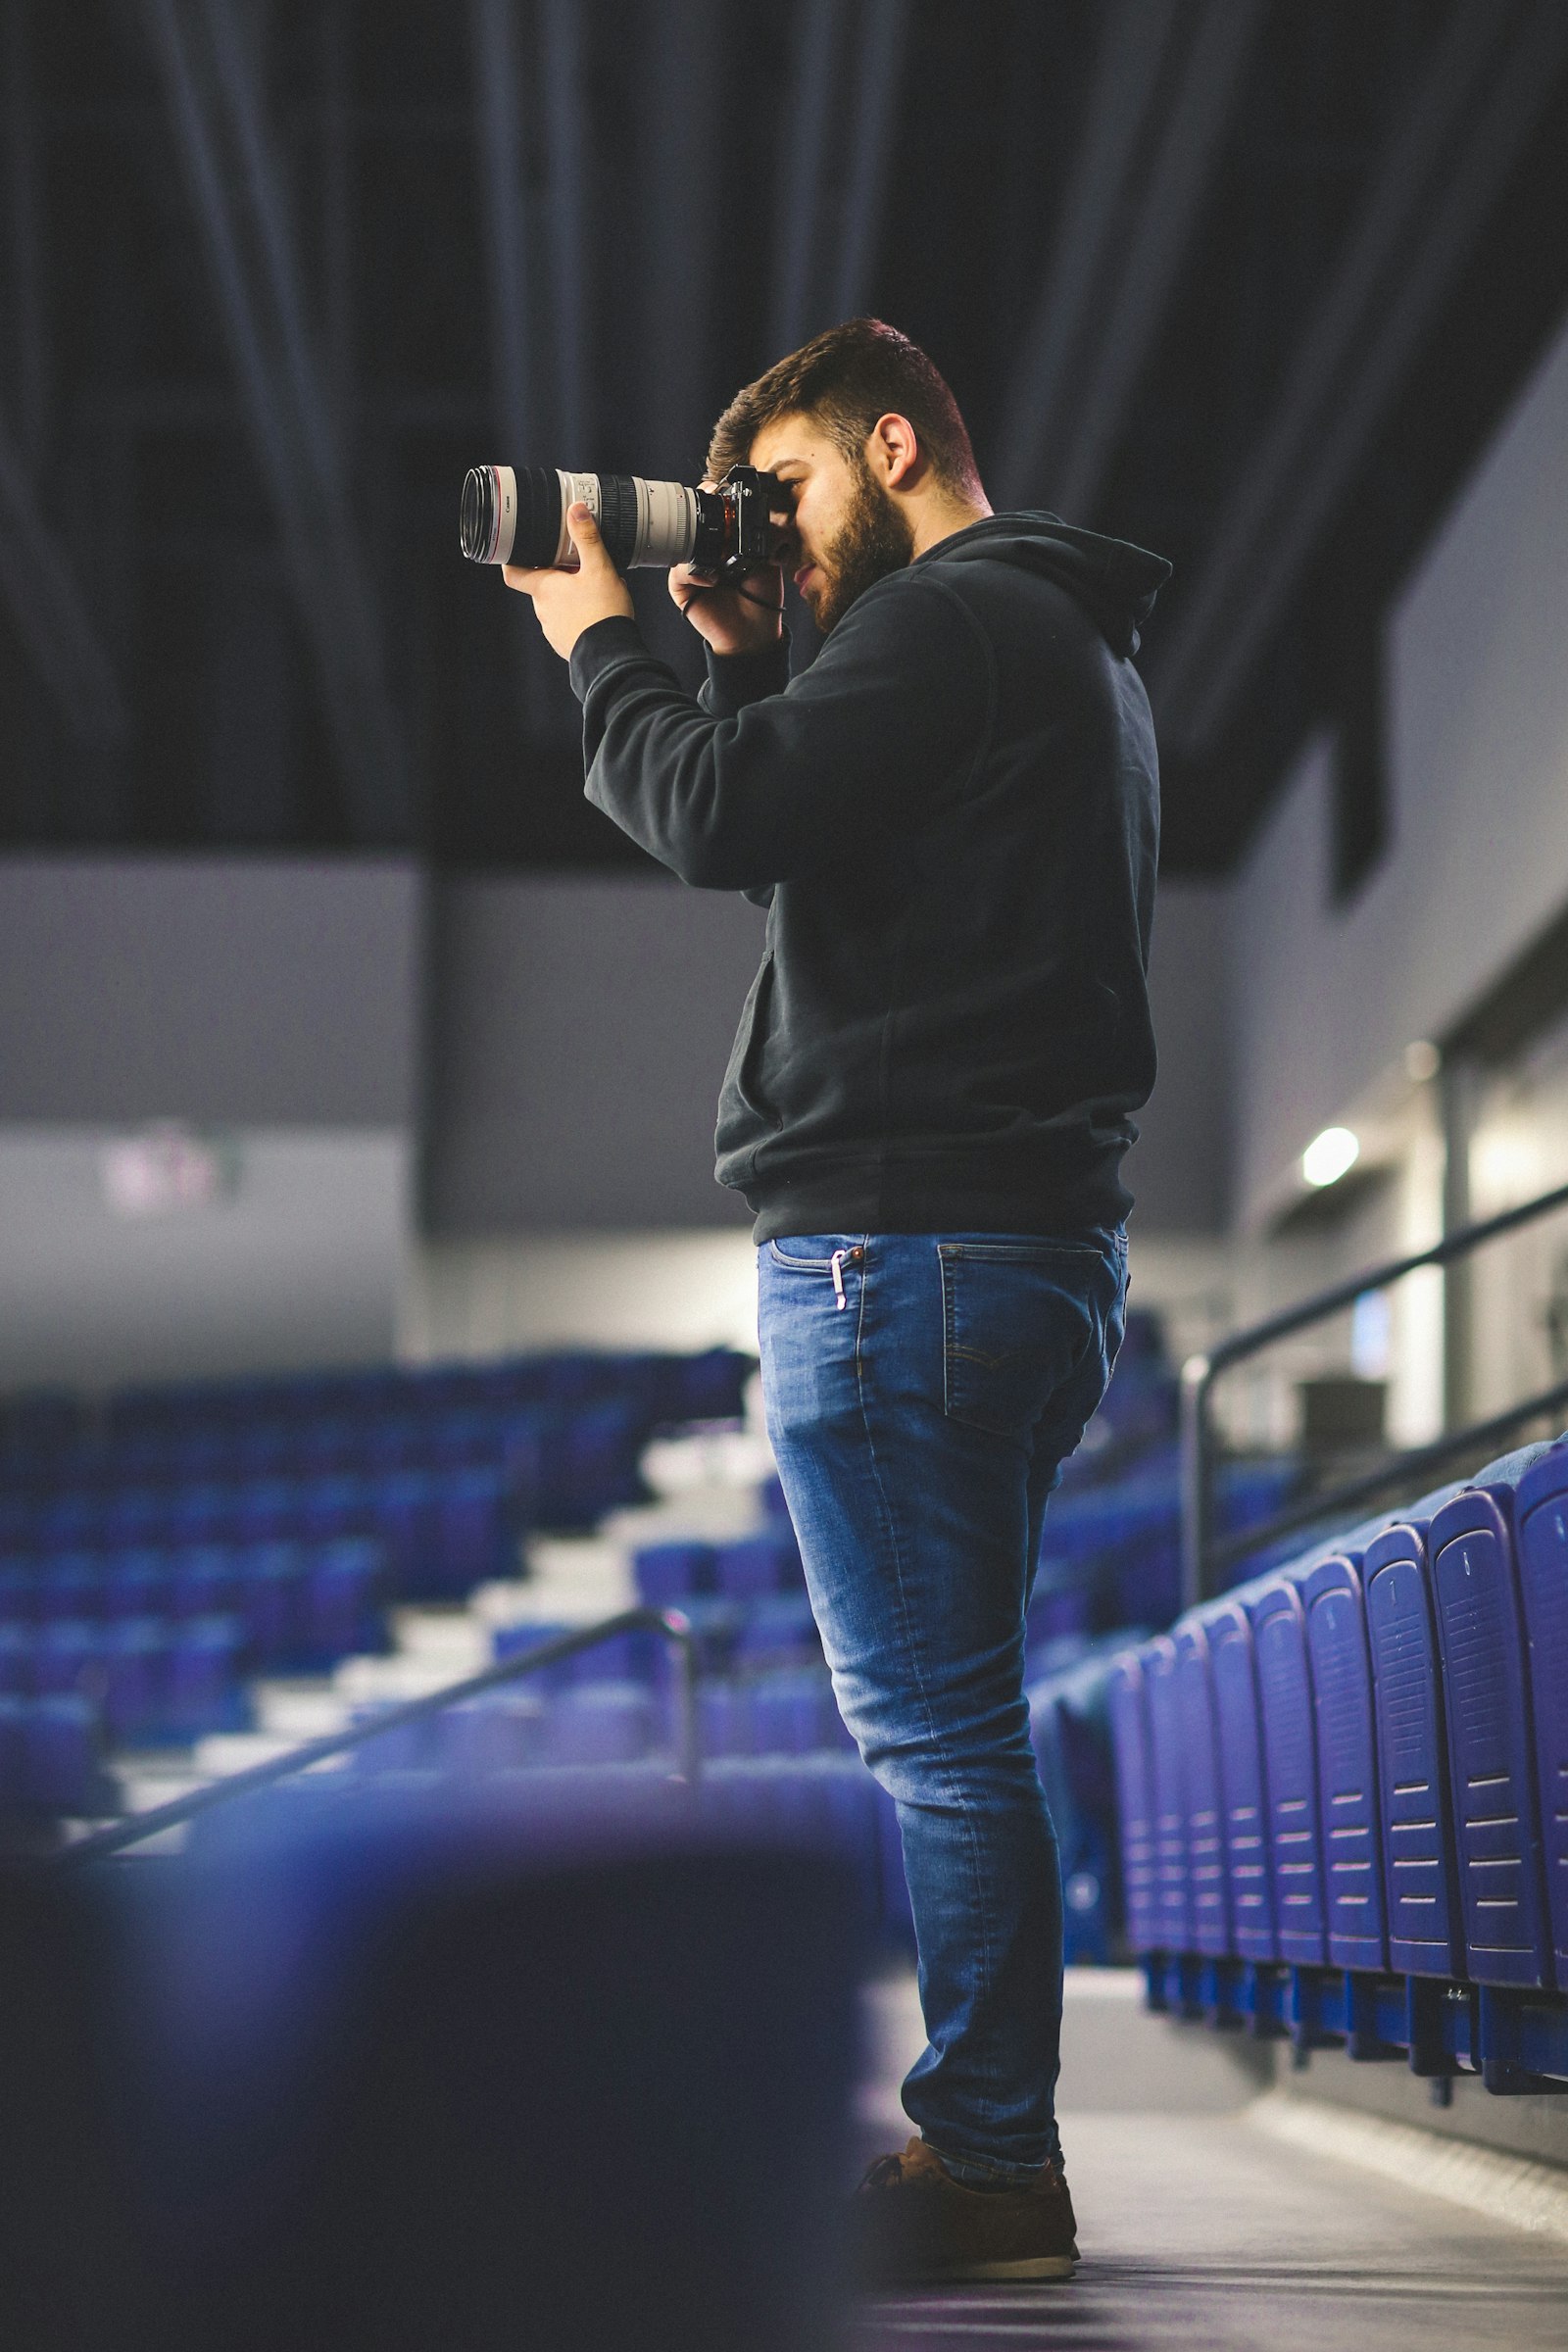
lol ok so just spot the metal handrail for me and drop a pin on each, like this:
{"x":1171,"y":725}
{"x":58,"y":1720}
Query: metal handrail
{"x":672,"y":1624}
{"x":1200,"y":1372}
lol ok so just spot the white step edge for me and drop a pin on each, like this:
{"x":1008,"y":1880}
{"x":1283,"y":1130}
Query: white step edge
{"x":1506,"y":2189}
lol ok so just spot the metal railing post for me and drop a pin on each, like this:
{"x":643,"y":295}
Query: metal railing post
{"x":1203,"y":1547}
{"x":1196,"y":1478}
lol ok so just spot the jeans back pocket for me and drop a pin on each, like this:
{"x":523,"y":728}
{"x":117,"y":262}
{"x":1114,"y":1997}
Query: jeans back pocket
{"x":1022,"y":1321}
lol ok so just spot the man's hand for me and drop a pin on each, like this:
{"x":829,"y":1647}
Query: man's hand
{"x":569,"y":602}
{"x":728,"y":621}
{"x":732,"y":624}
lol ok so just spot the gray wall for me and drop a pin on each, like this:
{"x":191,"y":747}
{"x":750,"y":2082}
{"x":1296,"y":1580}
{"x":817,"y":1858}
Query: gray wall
{"x":276,"y":1000}
{"x":259,"y":992}
{"x":1325,"y":997}
{"x":578,"y":1034}
{"x":1178,"y":1171}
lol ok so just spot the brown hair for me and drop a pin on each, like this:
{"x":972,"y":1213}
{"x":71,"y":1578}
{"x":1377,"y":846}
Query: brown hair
{"x":843,"y":379}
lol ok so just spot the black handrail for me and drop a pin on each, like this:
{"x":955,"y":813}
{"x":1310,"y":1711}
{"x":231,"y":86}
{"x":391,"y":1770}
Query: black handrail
{"x":1199,"y":1552}
{"x":672,"y":1624}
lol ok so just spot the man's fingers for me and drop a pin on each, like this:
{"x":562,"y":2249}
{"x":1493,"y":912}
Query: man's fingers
{"x":585,"y":536}
{"x":517,"y":575}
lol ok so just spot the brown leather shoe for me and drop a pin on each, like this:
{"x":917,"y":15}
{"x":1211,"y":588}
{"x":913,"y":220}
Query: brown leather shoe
{"x":912,"y":2225}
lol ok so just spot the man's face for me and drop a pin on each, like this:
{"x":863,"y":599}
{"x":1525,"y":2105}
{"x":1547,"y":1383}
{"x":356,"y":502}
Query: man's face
{"x":846,"y":531}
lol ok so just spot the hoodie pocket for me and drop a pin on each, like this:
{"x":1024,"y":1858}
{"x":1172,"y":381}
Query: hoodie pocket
{"x":744,"y":1088}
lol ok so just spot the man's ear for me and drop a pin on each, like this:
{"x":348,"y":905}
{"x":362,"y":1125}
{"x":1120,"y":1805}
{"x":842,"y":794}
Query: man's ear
{"x":894,"y":452}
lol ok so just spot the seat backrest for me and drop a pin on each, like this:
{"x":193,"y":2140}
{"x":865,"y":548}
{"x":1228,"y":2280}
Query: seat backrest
{"x":1543,"y":1565}
{"x":1414,"y":1796}
{"x":1169,"y":1779}
{"x":1491,"y":1739}
{"x":1233,"y":1677}
{"x":1290,"y":1752}
{"x":1346,"y":1764}
{"x":1207,"y":1880}
{"x":1128,"y":1703}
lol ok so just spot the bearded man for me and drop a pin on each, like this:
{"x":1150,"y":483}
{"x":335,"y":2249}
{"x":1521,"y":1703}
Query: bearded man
{"x":952,"y":817}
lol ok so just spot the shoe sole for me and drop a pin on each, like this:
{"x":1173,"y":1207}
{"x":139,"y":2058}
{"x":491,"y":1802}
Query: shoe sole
{"x":1036,"y":2268}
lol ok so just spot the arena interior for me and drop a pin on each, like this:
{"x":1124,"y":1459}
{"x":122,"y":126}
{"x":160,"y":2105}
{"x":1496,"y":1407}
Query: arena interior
{"x":440,"y":1902}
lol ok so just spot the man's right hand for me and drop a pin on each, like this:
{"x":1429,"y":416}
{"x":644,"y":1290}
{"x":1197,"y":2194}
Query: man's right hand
{"x":732,"y":624}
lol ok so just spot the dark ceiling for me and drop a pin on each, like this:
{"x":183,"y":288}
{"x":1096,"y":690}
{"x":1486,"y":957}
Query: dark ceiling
{"x":1250,"y":282}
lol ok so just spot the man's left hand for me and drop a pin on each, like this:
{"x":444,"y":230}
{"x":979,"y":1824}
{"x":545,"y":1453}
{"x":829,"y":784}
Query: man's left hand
{"x":569,"y":602}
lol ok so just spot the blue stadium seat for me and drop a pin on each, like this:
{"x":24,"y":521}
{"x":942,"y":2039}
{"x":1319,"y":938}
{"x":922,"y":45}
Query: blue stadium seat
{"x":1491,"y":1742}
{"x":1290,"y":1752}
{"x":1415,"y":1795}
{"x":779,"y":1631}
{"x":1169,"y":1783}
{"x":1346,"y":1762}
{"x":1207,"y":1877}
{"x":601,"y":1722}
{"x":756,"y":1566}
{"x":204,"y":1691}
{"x":63,"y":1746}
{"x":1542,"y":1552}
{"x":133,"y":1661}
{"x":1131,"y":1740}
{"x":667,"y":1574}
{"x":1248,"y":1864}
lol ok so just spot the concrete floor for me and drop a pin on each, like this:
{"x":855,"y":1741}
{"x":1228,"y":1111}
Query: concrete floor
{"x":1198,"y":2226}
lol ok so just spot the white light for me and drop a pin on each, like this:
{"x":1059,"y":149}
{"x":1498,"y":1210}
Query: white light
{"x":1329,"y":1155}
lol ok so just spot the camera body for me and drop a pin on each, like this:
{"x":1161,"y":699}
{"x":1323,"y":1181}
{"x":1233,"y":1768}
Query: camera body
{"x":518,"y":515}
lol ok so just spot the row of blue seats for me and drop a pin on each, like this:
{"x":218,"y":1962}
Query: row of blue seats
{"x":750,"y":1568}
{"x":441,"y":1536}
{"x":298,"y":1602}
{"x":731,"y":1636}
{"x":51,"y":1759}
{"x":1110,"y":1552}
{"x":816,"y":1801}
{"x":1359,"y":1762}
{"x":662,"y":1387}
{"x":610,"y":1720}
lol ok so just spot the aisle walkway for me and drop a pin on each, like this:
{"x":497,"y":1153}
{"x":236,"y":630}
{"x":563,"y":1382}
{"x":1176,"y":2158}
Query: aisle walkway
{"x":1197,"y":2227}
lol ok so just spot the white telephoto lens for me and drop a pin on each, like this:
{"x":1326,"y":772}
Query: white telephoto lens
{"x":662,"y":529}
{"x":504,"y":528}
{"x":666,"y":522}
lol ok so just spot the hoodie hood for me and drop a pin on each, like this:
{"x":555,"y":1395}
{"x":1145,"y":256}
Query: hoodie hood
{"x":1116,"y":582}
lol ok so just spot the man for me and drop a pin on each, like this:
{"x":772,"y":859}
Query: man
{"x":952,"y":817}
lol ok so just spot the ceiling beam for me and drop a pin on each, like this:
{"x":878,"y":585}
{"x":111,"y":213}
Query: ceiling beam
{"x":51,"y":618}
{"x":212,"y":90}
{"x":1490,"y":78}
{"x":1134,"y":41}
{"x":1187,"y":139}
{"x":804,"y":127}
{"x":884,"y":37}
{"x":574,"y":425}
{"x":828,"y":226}
{"x":506,"y":227}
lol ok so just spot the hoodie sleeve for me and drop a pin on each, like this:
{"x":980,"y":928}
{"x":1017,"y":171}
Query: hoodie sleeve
{"x":897,"y":700}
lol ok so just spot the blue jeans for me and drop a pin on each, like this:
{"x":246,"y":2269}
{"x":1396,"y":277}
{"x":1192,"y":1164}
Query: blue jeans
{"x":922,"y":1392}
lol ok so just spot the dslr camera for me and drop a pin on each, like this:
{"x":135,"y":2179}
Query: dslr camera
{"x":517,"y":515}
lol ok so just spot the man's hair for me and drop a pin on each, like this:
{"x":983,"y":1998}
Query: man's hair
{"x":843,"y":379}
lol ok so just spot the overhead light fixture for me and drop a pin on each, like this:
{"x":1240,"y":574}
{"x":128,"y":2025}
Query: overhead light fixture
{"x":1329,"y":1155}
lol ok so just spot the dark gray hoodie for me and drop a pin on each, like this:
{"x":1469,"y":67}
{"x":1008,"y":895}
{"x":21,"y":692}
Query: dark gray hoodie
{"x":952,"y":817}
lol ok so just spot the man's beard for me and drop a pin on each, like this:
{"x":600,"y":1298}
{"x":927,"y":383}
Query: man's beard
{"x":875,"y":538}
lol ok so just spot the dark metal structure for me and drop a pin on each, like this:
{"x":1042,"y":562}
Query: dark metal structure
{"x":1246,"y":281}
{"x":1210,"y":1560}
